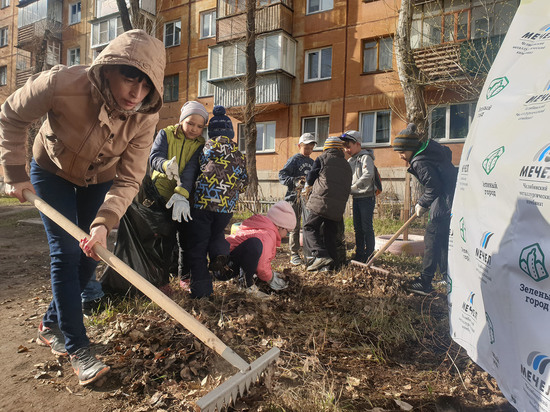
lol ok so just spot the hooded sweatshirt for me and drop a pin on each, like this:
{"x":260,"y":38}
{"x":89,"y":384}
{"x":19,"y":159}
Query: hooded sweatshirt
{"x":362,"y":167}
{"x":264,"y":229}
{"x":86,"y":138}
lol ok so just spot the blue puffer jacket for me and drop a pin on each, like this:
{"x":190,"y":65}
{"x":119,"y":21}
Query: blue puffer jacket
{"x":433,"y":168}
{"x":297,"y":166}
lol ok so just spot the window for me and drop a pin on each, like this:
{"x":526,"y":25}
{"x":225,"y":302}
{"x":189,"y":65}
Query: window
{"x":434,"y":23}
{"x":105,"y":31}
{"x":316,"y":6}
{"x":375,"y":126}
{"x":74,"y":13}
{"x":172,"y":33}
{"x":105,"y":7}
{"x":377,"y":55}
{"x":3,"y":75}
{"x":318,"y":64}
{"x":73,"y":56}
{"x":205,"y":88}
{"x":208,"y":24}
{"x":318,"y":126}
{"x":3,"y":36}
{"x":265,"y":140}
{"x":171,"y":88}
{"x":4,"y":4}
{"x":451,"y":122}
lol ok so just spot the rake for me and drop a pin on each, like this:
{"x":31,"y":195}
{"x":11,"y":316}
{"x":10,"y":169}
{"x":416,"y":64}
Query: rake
{"x":225,"y":394}
{"x":368,"y":265}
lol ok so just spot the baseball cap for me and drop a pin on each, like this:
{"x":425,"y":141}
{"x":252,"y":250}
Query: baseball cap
{"x":307,"y":138}
{"x":352,"y":136}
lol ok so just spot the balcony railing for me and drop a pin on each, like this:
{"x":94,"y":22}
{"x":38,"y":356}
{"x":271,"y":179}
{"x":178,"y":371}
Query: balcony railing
{"x":273,"y":88}
{"x":21,"y":76}
{"x":28,"y":35}
{"x":276,"y":16}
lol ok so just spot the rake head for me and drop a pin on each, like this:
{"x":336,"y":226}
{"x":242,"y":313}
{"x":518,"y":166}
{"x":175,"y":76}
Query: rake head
{"x":227,"y":393}
{"x":369,"y":267}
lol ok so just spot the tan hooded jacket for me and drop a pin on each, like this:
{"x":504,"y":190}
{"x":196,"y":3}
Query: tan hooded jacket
{"x":86,"y":139}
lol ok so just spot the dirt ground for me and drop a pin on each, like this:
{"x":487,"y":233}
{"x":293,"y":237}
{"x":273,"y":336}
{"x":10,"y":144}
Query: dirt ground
{"x":34,"y":380}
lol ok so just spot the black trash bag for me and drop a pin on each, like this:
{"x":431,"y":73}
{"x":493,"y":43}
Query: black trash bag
{"x":145,"y":241}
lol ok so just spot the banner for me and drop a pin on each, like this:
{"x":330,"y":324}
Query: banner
{"x":499,"y":248}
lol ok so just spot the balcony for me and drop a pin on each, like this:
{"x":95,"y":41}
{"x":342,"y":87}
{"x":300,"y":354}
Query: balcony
{"x":451,"y":61}
{"x":29,"y":35}
{"x":277,"y":16}
{"x":272,"y":90}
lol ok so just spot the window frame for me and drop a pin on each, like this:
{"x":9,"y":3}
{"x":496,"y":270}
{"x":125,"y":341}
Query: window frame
{"x":3,"y":75}
{"x":318,"y":137}
{"x":4,"y":36}
{"x":4,"y":4}
{"x":212,"y":31}
{"x":307,"y":79}
{"x":77,"y":13}
{"x":242,"y":143}
{"x":171,"y":89}
{"x":75,"y":50}
{"x":175,"y":23}
{"x":378,"y":55}
{"x":209,"y":86}
{"x":96,"y":31}
{"x":372,"y":140}
{"x":448,"y":120}
{"x":321,"y":8}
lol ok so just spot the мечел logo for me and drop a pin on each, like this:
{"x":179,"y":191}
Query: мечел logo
{"x":538,"y":361}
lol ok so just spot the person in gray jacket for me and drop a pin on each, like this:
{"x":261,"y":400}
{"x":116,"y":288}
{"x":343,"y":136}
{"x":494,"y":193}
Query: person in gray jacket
{"x":363,"y":193}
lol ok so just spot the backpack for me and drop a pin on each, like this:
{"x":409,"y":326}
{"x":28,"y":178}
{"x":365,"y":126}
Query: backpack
{"x":377,"y":182}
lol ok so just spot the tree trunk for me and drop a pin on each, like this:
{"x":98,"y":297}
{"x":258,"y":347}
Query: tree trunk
{"x":250,"y":105}
{"x":124,"y":15}
{"x":409,"y":74}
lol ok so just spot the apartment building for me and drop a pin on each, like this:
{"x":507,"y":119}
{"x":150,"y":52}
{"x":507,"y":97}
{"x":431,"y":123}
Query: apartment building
{"x":324,"y":66}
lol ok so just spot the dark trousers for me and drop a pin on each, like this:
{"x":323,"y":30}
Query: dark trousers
{"x":436,"y":245}
{"x":246,"y":257}
{"x":182,"y":238}
{"x":207,"y":239}
{"x":363,"y":213}
{"x":320,"y":236}
{"x":70,"y":269}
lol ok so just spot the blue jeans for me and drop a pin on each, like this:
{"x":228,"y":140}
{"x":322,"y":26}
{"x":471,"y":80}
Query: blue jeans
{"x":363,"y":213}
{"x":70,"y":269}
{"x":92,"y":291}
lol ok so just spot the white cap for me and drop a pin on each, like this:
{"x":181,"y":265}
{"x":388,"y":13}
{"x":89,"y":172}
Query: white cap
{"x":351,"y":135}
{"x":307,"y":138}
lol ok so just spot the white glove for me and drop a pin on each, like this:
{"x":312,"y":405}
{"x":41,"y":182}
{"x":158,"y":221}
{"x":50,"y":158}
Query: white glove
{"x":180,"y":207}
{"x":277,"y":283}
{"x":420,"y":210}
{"x":173,"y":170}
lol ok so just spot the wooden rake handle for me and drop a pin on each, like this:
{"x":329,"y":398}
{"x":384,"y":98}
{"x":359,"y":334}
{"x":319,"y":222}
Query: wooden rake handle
{"x":171,"y":307}
{"x":391,"y":240}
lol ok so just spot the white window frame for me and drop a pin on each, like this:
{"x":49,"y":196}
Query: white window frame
{"x":448,"y":120}
{"x":170,"y":40}
{"x":111,"y":28}
{"x":370,"y":137}
{"x":315,"y":130}
{"x":319,"y":65}
{"x":106,"y":7}
{"x":75,"y":12}
{"x":3,"y":75}
{"x":322,"y":6}
{"x":205,"y":89}
{"x":261,"y":139}
{"x":210,"y":16}
{"x":73,"y":56}
{"x":4,"y":4}
{"x":380,"y":49}
{"x":4,"y":31}
{"x":173,"y":76}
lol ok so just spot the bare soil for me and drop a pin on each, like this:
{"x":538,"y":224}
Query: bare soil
{"x":333,"y":331}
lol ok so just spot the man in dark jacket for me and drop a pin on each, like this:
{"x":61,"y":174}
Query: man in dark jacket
{"x":431,"y":164}
{"x":330,"y":178}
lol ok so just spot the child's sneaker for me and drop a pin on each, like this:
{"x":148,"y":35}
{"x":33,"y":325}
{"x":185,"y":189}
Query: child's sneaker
{"x":420,"y":287}
{"x":87,"y":367}
{"x":52,"y":337}
{"x":296,"y":260}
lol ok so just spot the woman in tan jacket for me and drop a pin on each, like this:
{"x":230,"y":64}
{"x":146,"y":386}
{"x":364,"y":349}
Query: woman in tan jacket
{"x":89,"y":158}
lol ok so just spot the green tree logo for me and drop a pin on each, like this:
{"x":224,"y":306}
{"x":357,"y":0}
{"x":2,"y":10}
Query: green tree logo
{"x":497,"y":85}
{"x":531,"y":261}
{"x":490,"y":161}
{"x":463,"y":230}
